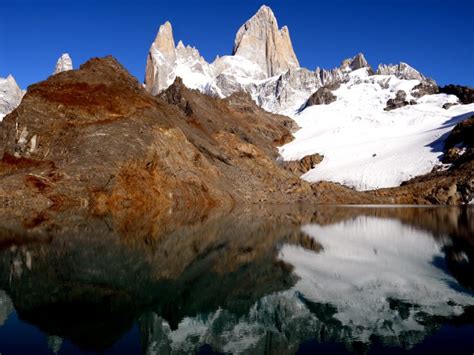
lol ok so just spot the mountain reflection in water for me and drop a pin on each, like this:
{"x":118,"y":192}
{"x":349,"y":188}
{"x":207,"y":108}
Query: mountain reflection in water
{"x":254,"y":281}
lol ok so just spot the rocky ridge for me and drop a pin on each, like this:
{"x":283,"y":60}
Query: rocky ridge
{"x":263,"y":64}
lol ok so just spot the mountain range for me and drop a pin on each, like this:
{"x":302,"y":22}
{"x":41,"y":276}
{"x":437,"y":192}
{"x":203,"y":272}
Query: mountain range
{"x":243,"y":128}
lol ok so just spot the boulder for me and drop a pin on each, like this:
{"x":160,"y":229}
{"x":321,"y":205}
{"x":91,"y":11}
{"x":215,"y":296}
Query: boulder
{"x":322,"y":96}
{"x":398,"y":101}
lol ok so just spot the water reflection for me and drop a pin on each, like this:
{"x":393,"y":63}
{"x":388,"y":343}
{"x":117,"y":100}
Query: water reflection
{"x":251,"y":281}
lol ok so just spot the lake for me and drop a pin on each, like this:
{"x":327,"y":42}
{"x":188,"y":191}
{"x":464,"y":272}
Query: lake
{"x":255,"y":280}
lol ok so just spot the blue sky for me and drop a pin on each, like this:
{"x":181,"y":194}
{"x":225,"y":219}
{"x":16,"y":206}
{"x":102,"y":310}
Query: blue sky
{"x":434,"y":36}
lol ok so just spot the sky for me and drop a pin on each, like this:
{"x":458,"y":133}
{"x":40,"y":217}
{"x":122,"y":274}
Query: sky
{"x":434,"y":36}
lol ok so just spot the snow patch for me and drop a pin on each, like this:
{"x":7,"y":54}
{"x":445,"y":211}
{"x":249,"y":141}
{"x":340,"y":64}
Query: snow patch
{"x":366,"y":147}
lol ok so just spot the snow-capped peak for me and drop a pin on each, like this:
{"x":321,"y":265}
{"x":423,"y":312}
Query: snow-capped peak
{"x":10,"y":95}
{"x":64,"y":63}
{"x":166,"y":61}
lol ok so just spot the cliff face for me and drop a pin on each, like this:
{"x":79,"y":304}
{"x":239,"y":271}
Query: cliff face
{"x":261,"y":41}
{"x":161,"y":60}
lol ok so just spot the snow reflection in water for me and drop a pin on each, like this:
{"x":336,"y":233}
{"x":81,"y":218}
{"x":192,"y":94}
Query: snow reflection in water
{"x":240,"y":284}
{"x":374,"y":278}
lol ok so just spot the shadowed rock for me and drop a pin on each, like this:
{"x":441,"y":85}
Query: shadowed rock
{"x":464,"y":93}
{"x":322,"y":96}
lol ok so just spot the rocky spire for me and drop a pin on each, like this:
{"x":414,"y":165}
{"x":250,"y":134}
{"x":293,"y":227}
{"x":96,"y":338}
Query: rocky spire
{"x":260,"y":41}
{"x":161,"y":60}
{"x":354,"y":63}
{"x":10,"y":95}
{"x":64,"y":63}
{"x":358,"y":62}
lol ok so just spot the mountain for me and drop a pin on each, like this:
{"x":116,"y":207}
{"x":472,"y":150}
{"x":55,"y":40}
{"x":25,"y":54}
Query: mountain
{"x":96,"y":135}
{"x":348,"y":108}
{"x":10,"y":95}
{"x":263,"y":64}
{"x":93,"y":140}
{"x":365,"y":144}
{"x":206,"y":135}
{"x":64,"y":63}
{"x":260,"y":41}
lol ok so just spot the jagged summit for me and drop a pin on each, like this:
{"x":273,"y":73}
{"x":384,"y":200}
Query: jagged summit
{"x":402,"y":71}
{"x":166,"y":61}
{"x":164,"y":40}
{"x":356,"y":62}
{"x":260,"y":41}
{"x":10,"y":95}
{"x":263,"y":64}
{"x":64,"y":63}
{"x":161,"y":60}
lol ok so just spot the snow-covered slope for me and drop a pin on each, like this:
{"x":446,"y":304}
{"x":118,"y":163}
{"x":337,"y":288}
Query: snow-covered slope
{"x":365,"y":146}
{"x":10,"y":95}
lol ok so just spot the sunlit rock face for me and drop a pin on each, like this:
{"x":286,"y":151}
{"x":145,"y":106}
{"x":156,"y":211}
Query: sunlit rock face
{"x":262,"y":64}
{"x":10,"y":95}
{"x":261,"y":41}
{"x":64,"y":63}
{"x":161,"y":60}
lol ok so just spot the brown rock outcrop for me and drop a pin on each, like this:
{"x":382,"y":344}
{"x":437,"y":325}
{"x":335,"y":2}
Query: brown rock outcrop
{"x":303,"y":165}
{"x":95,"y":139}
{"x":322,"y":96}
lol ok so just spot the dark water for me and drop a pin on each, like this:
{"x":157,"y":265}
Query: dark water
{"x":283,"y":280}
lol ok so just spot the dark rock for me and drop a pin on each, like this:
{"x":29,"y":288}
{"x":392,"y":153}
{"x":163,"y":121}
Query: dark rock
{"x":398,"y":101}
{"x":461,"y":135}
{"x":459,"y":145}
{"x":451,"y":155}
{"x":447,"y":105}
{"x":173,"y":95}
{"x":464,"y":93}
{"x":424,"y":88}
{"x":322,"y":96}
